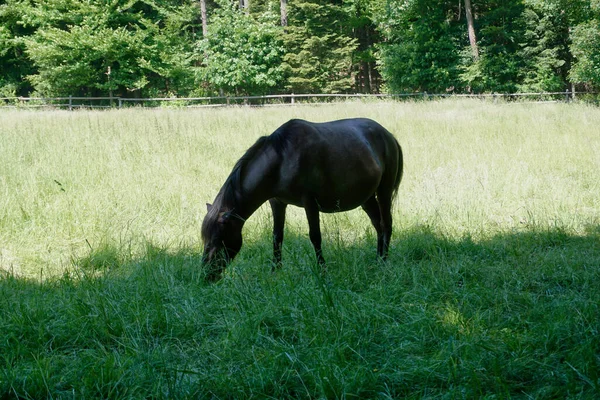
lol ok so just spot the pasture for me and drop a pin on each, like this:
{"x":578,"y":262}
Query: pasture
{"x":492,"y":287}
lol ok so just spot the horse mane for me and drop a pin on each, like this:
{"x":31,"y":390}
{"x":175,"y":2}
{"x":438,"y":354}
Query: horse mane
{"x":233,"y":184}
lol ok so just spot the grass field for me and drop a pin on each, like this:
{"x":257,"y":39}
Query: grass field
{"x":492,"y":288}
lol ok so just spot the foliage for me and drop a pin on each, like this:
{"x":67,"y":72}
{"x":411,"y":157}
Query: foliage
{"x":524,"y":45}
{"x":318,"y":51}
{"x":499,"y":34}
{"x":361,"y":24}
{"x":585,"y":45}
{"x":86,"y":56}
{"x":96,"y":47}
{"x":242,"y":54}
{"x":586,"y":50}
{"x":156,"y":48}
{"x":15,"y":64}
{"x":545,"y":50}
{"x":422,"y":52}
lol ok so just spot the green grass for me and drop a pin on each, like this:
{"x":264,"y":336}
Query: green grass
{"x":492,"y":288}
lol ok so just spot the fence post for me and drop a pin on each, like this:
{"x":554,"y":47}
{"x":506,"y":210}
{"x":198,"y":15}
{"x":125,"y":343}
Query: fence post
{"x":120,"y":102}
{"x":573,"y":92}
{"x":567,"y":95}
{"x":70,"y":102}
{"x":292,"y":98}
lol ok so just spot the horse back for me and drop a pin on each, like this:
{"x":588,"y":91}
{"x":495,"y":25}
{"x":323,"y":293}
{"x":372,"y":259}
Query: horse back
{"x":340,"y":163}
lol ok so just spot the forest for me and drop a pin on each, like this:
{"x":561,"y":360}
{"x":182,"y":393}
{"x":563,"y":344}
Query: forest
{"x":175,"y":48}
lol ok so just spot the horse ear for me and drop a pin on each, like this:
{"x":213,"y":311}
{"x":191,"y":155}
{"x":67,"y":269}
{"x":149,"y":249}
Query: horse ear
{"x":208,"y":206}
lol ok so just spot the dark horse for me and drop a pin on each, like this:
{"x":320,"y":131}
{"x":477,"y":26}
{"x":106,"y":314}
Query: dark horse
{"x":328,"y":167}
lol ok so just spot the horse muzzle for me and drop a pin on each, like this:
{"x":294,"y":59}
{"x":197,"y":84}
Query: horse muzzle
{"x":214,"y":262}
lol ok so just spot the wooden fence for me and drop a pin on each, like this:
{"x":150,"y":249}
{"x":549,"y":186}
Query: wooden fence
{"x":75,"y":102}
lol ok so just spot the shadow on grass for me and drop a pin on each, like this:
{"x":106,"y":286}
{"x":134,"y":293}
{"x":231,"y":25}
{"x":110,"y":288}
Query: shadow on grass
{"x":509,"y":315}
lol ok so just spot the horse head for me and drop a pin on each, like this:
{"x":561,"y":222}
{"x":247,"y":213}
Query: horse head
{"x":222,"y":237}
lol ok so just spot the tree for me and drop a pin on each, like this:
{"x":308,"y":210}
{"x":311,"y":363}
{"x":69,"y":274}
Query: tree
{"x":585,"y":47}
{"x":545,"y":47}
{"x":471,"y":30}
{"x":242,"y":55}
{"x":421,"y":47}
{"x":14,"y":61}
{"x":318,"y":51}
{"x":97,"y":48}
{"x":204,"y":18}
{"x":586,"y":50}
{"x":501,"y":34}
{"x":362,"y":28}
{"x":154,"y":47}
{"x":283,"y":12}
{"x":245,"y":6}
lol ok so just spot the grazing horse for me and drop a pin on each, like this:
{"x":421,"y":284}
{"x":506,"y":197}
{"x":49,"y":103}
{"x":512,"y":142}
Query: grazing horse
{"x":322,"y":167}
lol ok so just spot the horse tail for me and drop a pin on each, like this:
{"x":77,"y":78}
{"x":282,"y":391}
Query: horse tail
{"x":400,"y":170}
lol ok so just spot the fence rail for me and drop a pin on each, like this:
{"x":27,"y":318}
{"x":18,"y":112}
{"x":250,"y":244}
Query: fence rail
{"x":75,"y":102}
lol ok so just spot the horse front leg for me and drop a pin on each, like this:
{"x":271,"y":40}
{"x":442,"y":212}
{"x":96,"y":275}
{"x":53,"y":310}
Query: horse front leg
{"x":278,"y":208}
{"x":314,"y":228}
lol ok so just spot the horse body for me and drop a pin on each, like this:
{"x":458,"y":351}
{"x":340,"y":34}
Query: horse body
{"x":322,"y":167}
{"x":336,"y":166}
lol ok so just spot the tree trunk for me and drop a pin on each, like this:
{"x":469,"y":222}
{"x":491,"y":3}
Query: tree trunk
{"x":245,"y":5}
{"x":203,"y":16}
{"x":471,"y":30}
{"x":284,"y":17}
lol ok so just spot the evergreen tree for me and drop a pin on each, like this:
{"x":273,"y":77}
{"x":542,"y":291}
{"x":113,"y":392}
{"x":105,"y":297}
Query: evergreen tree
{"x":318,"y":55}
{"x":362,"y":27}
{"x":545,"y":47}
{"x":422,"y":47}
{"x":13,"y":58}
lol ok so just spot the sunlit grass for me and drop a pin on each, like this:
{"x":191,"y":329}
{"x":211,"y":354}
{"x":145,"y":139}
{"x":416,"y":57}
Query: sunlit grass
{"x":71,"y":180}
{"x":491,"y":288}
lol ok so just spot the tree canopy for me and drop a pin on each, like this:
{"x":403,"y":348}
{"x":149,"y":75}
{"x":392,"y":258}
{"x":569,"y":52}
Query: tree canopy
{"x":159,"y":48}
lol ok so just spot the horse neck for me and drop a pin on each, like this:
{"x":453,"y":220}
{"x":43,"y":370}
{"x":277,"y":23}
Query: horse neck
{"x":256,"y":183}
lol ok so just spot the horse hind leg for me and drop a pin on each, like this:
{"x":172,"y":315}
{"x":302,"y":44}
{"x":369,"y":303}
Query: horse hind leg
{"x":385,"y":208}
{"x":314,"y":228}
{"x":371,"y":207}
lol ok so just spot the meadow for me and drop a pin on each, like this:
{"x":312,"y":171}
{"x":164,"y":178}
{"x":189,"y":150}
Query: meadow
{"x":491,"y":290}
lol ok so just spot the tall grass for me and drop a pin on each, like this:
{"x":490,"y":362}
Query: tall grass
{"x":491,"y":290}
